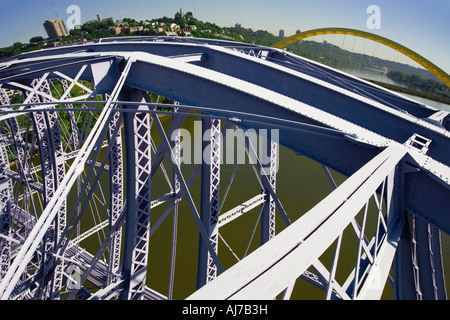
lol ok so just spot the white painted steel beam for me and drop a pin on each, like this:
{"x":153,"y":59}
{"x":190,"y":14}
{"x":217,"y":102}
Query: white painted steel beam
{"x":137,"y":231}
{"x":241,"y":209}
{"x":375,"y":281}
{"x":271,"y":268}
{"x":209,"y":201}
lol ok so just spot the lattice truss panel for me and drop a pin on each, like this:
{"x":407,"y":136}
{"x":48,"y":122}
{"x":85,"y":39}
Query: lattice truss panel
{"x":55,"y":127}
{"x":365,"y":240}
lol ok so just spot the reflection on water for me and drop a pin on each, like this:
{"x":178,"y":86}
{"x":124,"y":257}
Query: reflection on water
{"x":371,"y":74}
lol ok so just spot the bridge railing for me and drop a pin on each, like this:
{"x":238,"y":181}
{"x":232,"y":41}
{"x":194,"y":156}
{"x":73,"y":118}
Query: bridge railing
{"x":275,"y":267}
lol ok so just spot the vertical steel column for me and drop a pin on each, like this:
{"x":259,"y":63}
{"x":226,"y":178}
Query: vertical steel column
{"x":5,"y":214}
{"x":116,"y":194}
{"x":52,"y":158}
{"x":270,"y":171}
{"x":176,"y":161}
{"x":20,"y":148}
{"x":430,"y":261}
{"x":17,"y":138}
{"x":72,"y":119}
{"x":427,"y":260}
{"x":418,"y":269}
{"x":405,"y":271}
{"x":6,"y":188}
{"x":4,"y":99}
{"x":138,"y":164}
{"x":209,"y":203}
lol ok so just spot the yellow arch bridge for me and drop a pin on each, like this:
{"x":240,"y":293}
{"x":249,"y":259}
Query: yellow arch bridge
{"x":438,"y":72}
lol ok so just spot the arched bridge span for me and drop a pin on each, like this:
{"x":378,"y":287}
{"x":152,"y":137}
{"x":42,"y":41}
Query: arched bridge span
{"x":434,"y":69}
{"x":392,"y":148}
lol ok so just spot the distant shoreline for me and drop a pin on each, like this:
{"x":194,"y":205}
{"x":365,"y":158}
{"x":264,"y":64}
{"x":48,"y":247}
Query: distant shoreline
{"x":412,"y":92}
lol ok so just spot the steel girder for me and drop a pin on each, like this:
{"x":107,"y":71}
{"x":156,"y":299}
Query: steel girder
{"x":351,"y":144}
{"x":273,"y":268}
{"x":5,"y":202}
{"x":270,"y":150}
{"x":117,"y":194}
{"x":50,"y":145}
{"x":138,"y":144}
{"x":55,"y":200}
{"x":210,"y":202}
{"x":333,"y":118}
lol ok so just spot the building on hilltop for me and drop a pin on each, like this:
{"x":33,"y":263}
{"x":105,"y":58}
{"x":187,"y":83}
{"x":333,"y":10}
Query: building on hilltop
{"x":185,"y":33}
{"x":55,"y":29}
{"x":115,"y":30}
{"x":166,"y":33}
{"x":179,"y":14}
{"x":281,"y":34}
{"x":174,"y":27}
{"x":103,"y":20}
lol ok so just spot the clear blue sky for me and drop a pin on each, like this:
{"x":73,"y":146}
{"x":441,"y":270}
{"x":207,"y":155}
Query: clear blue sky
{"x":423,"y":26}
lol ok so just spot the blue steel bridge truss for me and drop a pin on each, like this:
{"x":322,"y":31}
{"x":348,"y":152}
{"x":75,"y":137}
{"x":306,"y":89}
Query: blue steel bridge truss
{"x":74,"y":113}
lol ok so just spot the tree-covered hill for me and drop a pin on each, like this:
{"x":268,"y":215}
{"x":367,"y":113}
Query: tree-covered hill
{"x":322,"y":52}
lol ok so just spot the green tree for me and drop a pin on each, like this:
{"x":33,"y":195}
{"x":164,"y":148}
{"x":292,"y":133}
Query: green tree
{"x":37,"y":39}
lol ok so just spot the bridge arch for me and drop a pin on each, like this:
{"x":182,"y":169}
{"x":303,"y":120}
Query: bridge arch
{"x":438,"y":72}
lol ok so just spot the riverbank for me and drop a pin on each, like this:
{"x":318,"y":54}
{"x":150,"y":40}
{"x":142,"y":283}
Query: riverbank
{"x":412,"y":92}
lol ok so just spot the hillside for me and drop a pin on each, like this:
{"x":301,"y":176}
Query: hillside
{"x":187,"y":25}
